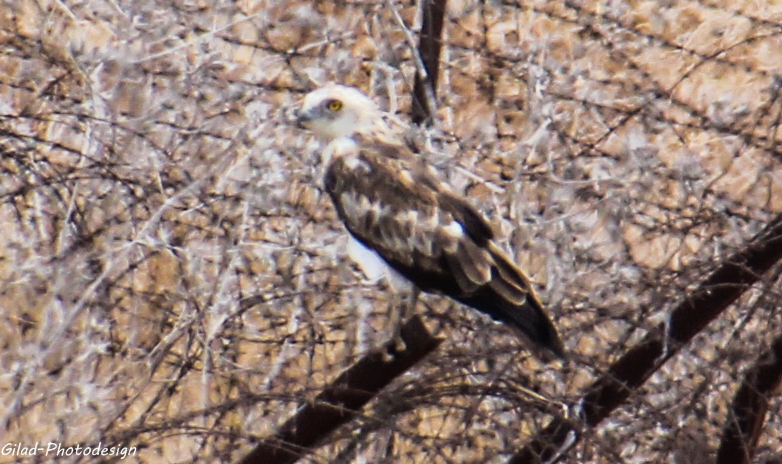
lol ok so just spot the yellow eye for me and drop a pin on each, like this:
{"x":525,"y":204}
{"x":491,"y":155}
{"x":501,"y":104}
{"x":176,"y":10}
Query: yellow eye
{"x":335,"y":105}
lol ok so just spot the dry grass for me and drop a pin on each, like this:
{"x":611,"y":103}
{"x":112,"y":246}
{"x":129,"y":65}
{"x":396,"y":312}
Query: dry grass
{"x":172,"y":277}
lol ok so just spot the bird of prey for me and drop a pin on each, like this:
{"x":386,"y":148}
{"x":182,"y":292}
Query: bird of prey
{"x":395,"y":207}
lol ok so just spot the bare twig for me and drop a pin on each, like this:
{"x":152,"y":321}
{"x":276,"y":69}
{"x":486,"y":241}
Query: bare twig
{"x":429,"y":47}
{"x":748,"y":411}
{"x":720,"y":290}
{"x":426,"y":57}
{"x":339,"y":402}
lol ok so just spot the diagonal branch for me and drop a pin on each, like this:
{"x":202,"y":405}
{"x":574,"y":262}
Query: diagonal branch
{"x":748,"y":411}
{"x":723,"y":287}
{"x":339,"y":402}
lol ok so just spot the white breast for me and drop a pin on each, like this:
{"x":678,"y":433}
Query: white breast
{"x":339,"y":148}
{"x":373,"y":266}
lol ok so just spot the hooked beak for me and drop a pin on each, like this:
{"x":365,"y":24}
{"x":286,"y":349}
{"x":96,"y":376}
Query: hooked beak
{"x":303,"y":119}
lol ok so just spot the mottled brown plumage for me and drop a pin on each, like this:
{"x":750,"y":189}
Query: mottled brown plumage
{"x":394,"y":204}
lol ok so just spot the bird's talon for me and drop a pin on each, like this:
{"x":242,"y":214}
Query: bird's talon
{"x":387,"y":357}
{"x":399,"y":344}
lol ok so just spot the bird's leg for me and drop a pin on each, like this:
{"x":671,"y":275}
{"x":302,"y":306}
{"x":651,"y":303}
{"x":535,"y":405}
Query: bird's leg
{"x":403,"y":314}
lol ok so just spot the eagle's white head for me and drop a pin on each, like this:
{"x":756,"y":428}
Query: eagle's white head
{"x":339,"y":111}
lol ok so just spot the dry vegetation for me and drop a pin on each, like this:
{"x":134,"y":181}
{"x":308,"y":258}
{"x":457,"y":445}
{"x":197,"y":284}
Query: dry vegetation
{"x":172,"y":277}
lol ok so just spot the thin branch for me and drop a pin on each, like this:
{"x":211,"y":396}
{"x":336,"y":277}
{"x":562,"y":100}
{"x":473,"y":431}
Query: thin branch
{"x":734,"y":276}
{"x":429,"y":46}
{"x":748,"y":411}
{"x":426,"y":57}
{"x":339,"y":402}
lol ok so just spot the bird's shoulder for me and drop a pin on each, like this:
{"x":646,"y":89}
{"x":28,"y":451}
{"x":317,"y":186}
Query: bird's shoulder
{"x":393,"y":174}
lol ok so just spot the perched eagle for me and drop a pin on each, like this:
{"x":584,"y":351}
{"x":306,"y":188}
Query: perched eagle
{"x":393,"y":204}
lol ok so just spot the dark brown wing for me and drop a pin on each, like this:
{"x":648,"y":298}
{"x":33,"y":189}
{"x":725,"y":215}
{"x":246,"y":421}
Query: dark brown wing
{"x":391,"y":203}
